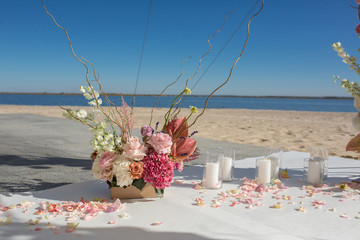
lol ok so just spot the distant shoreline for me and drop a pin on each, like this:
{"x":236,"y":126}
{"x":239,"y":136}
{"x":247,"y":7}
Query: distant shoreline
{"x":155,"y":95}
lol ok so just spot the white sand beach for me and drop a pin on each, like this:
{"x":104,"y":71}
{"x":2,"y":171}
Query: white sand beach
{"x":290,"y":130}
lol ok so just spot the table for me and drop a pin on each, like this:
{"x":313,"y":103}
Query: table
{"x":182,"y":218}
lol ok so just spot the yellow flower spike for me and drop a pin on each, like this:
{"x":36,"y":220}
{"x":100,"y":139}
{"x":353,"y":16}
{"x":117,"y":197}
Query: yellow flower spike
{"x":193,"y":109}
{"x":187,"y":91}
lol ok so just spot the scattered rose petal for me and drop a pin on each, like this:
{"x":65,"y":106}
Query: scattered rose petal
{"x":345,"y":216}
{"x":70,"y":230}
{"x":72,"y":225}
{"x":332,"y":210}
{"x":72,"y":218}
{"x":234,"y":191}
{"x":112,"y":222}
{"x":200,"y":202}
{"x":301,"y":209}
{"x":125,"y":215}
{"x":277,"y":206}
{"x":157,"y":223}
{"x":32,"y":222}
{"x":38,"y":229}
{"x":198,"y":186}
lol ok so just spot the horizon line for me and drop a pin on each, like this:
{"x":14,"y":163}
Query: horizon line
{"x":172,"y":95}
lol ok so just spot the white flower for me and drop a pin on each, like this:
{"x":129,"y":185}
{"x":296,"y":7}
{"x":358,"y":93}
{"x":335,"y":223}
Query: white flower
{"x":96,"y":169}
{"x":96,"y":94}
{"x":81,"y":113}
{"x":336,"y":45}
{"x":93,"y":102}
{"x":103,"y":125}
{"x":82,"y":89}
{"x":122,"y":172}
{"x":87,"y":96}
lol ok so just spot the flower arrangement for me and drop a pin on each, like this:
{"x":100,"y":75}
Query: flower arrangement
{"x":351,"y":87}
{"x":121,"y":158}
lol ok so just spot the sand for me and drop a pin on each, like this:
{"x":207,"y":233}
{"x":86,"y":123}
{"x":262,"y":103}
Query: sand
{"x":290,"y":130}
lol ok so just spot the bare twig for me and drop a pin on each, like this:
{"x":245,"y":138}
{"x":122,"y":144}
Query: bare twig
{"x":167,"y":114}
{"x":152,"y":110}
{"x":232,"y":68}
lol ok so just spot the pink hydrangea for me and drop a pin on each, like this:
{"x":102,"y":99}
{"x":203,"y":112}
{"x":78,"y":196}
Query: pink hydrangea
{"x":134,"y":149}
{"x":158,"y":169}
{"x":161,"y":142}
{"x":107,"y":159}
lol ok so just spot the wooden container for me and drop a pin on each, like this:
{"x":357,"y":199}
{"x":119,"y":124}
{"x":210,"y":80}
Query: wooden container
{"x":130,"y":192}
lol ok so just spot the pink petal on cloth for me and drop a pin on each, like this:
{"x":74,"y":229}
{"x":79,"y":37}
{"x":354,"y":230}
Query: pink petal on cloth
{"x":89,"y":217}
{"x":70,"y":230}
{"x":115,"y":206}
{"x":157,"y":223}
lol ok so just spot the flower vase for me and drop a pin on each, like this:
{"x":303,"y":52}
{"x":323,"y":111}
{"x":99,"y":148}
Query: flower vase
{"x":131,"y":192}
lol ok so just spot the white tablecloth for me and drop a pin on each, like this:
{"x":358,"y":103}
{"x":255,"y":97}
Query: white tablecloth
{"x":183,"y":219}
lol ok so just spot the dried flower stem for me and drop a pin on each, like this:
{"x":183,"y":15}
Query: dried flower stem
{"x":182,"y":71}
{"x":110,"y":115}
{"x":75,"y":117}
{"x":232,"y":68}
{"x":179,"y":97}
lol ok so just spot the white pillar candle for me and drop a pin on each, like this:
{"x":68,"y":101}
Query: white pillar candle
{"x":264,"y":171}
{"x":226,"y":164}
{"x":212,"y":175}
{"x":314,"y":172}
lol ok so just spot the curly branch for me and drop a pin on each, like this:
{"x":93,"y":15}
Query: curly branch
{"x":232,"y":68}
{"x":166,"y":116}
{"x":182,"y":71}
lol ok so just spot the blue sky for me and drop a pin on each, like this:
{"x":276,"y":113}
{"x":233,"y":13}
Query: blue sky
{"x":288,"y":54}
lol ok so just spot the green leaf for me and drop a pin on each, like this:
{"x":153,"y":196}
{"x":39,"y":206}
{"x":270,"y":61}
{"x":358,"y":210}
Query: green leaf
{"x":354,"y":144}
{"x":139,"y":183}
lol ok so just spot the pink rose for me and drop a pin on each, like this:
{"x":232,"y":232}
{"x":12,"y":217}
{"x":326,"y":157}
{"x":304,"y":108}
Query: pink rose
{"x":106,"y":159}
{"x":161,"y":142}
{"x":358,"y":2}
{"x":134,"y":149}
{"x":146,"y":131}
